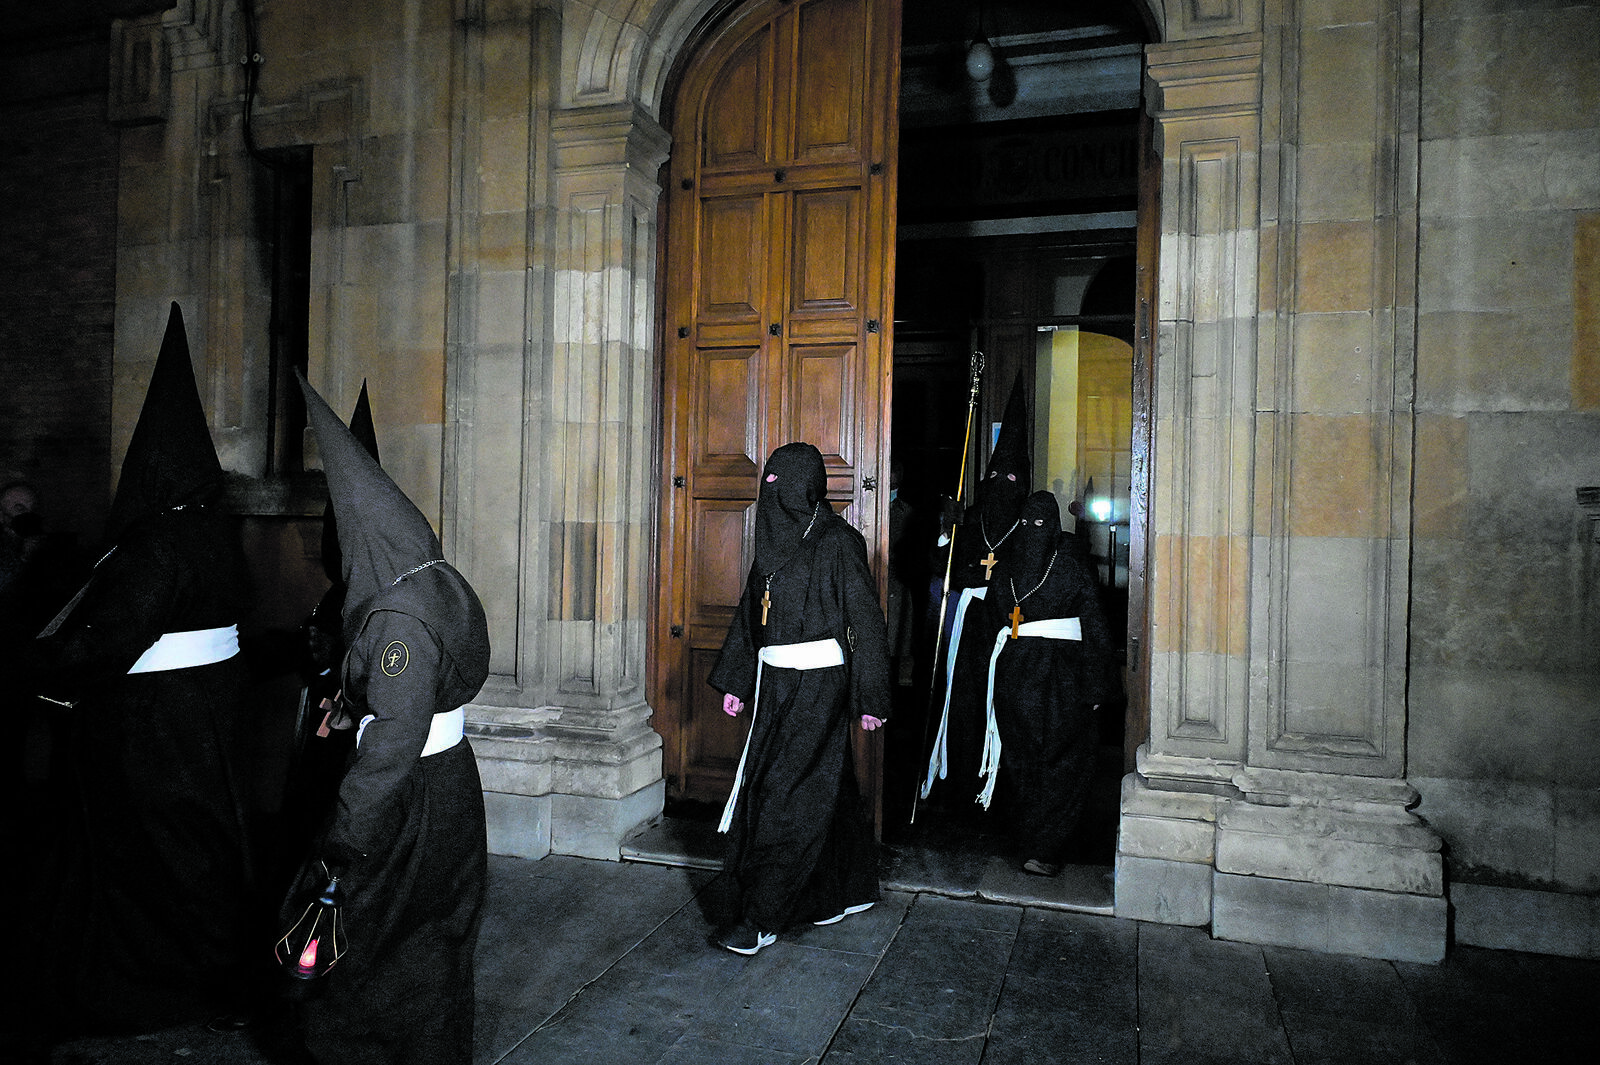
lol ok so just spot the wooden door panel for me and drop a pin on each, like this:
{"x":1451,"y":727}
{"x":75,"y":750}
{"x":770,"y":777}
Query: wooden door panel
{"x":736,"y":123}
{"x":720,"y":527}
{"x":715,"y":738}
{"x":825,"y":271}
{"x":732,"y":260}
{"x":822,"y":403}
{"x":830,"y":70}
{"x":727,"y":386}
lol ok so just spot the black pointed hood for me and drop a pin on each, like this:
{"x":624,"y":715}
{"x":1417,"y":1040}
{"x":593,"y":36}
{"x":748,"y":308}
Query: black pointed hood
{"x":171,"y":460}
{"x":391,"y":559}
{"x":794,"y":483}
{"x":362,"y":429}
{"x":1009,"y":478}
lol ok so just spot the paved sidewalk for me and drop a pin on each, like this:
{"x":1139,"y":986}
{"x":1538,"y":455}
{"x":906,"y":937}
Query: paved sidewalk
{"x":611,"y":963}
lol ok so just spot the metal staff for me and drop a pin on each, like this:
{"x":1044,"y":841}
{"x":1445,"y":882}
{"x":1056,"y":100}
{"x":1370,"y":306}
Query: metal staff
{"x":975,"y":375}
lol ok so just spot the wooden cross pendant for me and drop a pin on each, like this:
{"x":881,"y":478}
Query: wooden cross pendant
{"x":1016,"y":619}
{"x":988,"y":565}
{"x":766,"y":603}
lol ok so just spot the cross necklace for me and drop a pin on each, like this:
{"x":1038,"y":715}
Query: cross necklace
{"x":989,"y":563}
{"x":766,"y":589}
{"x":1016,"y":609}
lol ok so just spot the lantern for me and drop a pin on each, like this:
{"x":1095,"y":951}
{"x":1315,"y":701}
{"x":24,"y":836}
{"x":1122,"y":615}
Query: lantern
{"x":315,"y":942}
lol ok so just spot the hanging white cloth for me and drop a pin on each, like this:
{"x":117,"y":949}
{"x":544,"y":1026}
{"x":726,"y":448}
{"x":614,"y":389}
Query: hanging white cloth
{"x":1049,"y":629}
{"x":939,"y":757}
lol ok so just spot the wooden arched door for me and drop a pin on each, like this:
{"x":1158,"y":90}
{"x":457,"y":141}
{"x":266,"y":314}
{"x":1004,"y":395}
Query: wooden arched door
{"x":776,"y":317}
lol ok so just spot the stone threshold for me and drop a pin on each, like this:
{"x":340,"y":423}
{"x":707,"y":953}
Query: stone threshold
{"x":910,"y":867}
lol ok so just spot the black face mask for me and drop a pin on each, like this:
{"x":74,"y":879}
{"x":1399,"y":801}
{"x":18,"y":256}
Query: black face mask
{"x":793,"y":485}
{"x":1037,"y":537}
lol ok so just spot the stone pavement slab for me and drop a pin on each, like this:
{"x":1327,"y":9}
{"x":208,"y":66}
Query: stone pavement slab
{"x":612,"y":963}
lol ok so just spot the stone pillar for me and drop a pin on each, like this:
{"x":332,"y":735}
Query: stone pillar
{"x":551,"y":388}
{"x":1270,"y":800}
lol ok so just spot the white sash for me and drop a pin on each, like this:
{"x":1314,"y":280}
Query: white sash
{"x":817,"y":654}
{"x":444,"y":731}
{"x":939,"y":758}
{"x":196,"y":647}
{"x":1049,"y":629}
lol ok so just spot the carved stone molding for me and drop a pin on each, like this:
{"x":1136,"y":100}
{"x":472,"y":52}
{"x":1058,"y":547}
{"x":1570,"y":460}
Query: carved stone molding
{"x":1207,"y":102}
{"x":141,"y":72}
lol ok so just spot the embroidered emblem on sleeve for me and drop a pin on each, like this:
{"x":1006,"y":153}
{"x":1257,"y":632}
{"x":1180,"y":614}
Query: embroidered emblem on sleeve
{"x":395,"y":659}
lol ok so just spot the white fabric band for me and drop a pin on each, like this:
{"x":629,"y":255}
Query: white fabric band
{"x":1048,"y":629}
{"x":182,"y":650}
{"x":939,"y":758}
{"x":817,"y":654}
{"x":445,"y":731}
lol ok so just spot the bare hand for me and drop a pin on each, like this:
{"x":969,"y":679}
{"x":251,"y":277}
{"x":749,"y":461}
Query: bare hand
{"x":731,"y":704}
{"x":870,"y":723}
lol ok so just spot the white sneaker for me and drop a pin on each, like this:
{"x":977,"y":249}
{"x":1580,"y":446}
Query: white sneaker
{"x":848,"y":910}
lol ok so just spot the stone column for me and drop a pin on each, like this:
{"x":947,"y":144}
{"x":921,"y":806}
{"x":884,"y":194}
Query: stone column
{"x":552,"y":391}
{"x":1270,"y":801}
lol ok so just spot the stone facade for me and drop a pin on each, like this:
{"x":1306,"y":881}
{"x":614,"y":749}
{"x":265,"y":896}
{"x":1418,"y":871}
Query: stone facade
{"x":1373,"y":598}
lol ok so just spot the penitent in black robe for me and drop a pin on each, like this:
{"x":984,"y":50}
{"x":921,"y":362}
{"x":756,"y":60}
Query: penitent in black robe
{"x":408,"y":842}
{"x":407,"y":836}
{"x":156,"y":880}
{"x":155,"y":885}
{"x":1045,"y":690}
{"x":986,"y":531}
{"x":799,"y":847}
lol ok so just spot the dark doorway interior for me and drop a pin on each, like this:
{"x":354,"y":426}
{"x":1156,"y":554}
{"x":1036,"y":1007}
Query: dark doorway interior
{"x":1018,"y":207}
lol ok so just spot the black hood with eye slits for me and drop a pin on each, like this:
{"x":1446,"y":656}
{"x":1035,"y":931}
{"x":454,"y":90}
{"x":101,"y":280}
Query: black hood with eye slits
{"x":1038,"y":537}
{"x":786,"y":506}
{"x":1001,"y":496}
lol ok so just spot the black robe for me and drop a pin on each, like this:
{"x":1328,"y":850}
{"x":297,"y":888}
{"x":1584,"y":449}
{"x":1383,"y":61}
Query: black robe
{"x":799,"y":847}
{"x":967,"y":681}
{"x":408,"y":842}
{"x":407,"y":836}
{"x":155,"y":886}
{"x":1045,"y":690}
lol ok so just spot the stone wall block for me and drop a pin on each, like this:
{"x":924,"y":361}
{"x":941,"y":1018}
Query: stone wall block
{"x":1539,"y":922}
{"x":1496,"y":827}
{"x":1320,"y":848}
{"x":1504,"y":70}
{"x":1335,"y":181}
{"x":1376,"y":924}
{"x":1332,"y":368}
{"x":1339,"y":82}
{"x":1166,"y":892}
{"x":1577,"y":840}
